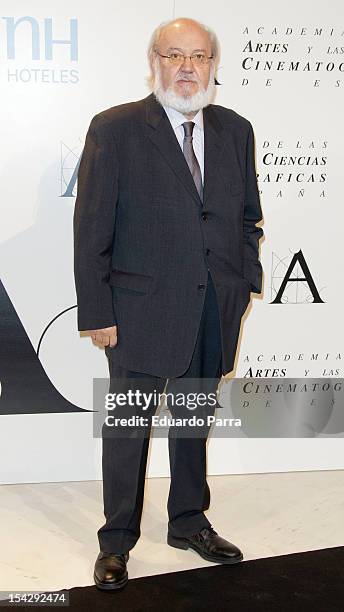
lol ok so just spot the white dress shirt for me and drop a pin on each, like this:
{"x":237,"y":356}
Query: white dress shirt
{"x":177,"y":119}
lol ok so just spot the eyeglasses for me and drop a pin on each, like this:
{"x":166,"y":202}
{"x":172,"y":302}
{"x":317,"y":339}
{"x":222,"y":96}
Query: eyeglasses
{"x":176,"y":58}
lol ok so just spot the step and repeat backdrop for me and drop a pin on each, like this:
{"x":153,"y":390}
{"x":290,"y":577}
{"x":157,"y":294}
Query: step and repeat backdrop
{"x":282,"y":67}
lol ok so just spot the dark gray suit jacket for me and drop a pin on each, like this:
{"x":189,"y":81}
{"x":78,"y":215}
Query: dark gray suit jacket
{"x":143,"y":242}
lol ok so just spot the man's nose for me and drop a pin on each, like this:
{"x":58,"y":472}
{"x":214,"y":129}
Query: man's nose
{"x":187,"y":64}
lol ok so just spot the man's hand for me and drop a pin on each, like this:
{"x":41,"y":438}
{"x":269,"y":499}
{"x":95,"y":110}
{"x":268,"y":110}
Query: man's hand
{"x":104,"y":337}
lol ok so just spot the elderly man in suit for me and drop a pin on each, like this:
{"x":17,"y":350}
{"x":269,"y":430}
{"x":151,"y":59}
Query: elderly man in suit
{"x":166,"y":255}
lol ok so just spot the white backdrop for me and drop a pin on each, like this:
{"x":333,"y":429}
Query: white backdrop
{"x":282,"y":67}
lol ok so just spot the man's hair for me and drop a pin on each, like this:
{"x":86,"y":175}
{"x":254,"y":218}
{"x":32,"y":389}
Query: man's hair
{"x":215,"y":45}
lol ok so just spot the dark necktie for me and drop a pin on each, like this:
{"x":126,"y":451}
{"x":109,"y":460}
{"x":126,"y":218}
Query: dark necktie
{"x":191,"y":158}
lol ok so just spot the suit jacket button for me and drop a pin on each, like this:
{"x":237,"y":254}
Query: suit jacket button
{"x":201,"y":287}
{"x":204,"y":216}
{"x":207,"y":251}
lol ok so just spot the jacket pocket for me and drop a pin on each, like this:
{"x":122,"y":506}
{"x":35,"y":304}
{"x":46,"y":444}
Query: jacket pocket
{"x":142,"y":283}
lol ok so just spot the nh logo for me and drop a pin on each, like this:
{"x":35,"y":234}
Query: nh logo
{"x":37,"y":31}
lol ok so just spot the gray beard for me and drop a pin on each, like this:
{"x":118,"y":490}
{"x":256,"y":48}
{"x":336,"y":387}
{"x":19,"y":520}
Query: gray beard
{"x":167,"y":97}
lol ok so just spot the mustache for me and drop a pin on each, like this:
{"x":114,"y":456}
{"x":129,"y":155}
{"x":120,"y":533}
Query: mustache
{"x":182,"y":77}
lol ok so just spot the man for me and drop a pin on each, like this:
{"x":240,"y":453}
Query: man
{"x":166,"y":255}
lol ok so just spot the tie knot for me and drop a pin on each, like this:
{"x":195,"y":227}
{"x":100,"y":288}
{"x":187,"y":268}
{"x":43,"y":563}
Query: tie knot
{"x":188,"y":128}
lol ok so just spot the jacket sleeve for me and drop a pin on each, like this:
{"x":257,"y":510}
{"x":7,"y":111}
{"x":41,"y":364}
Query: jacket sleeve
{"x":94,"y":225}
{"x":252,"y":215}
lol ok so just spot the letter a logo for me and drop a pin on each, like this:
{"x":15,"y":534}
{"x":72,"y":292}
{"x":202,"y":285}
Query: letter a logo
{"x":292,"y":276}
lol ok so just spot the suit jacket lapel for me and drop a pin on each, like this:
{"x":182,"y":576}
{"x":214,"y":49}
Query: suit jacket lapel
{"x":165,"y":140}
{"x":214,"y":143}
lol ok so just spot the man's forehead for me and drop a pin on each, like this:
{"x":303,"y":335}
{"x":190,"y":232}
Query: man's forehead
{"x":184,"y":38}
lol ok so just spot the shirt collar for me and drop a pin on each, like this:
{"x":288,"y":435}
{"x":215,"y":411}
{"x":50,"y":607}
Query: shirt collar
{"x":176,"y":118}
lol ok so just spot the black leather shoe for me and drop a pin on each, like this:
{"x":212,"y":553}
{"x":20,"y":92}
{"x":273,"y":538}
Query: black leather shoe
{"x":110,"y":571}
{"x":209,"y":545}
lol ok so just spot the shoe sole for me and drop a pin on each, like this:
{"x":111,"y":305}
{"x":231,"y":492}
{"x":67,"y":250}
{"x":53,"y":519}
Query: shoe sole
{"x":107,"y":586}
{"x":177,"y":543}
